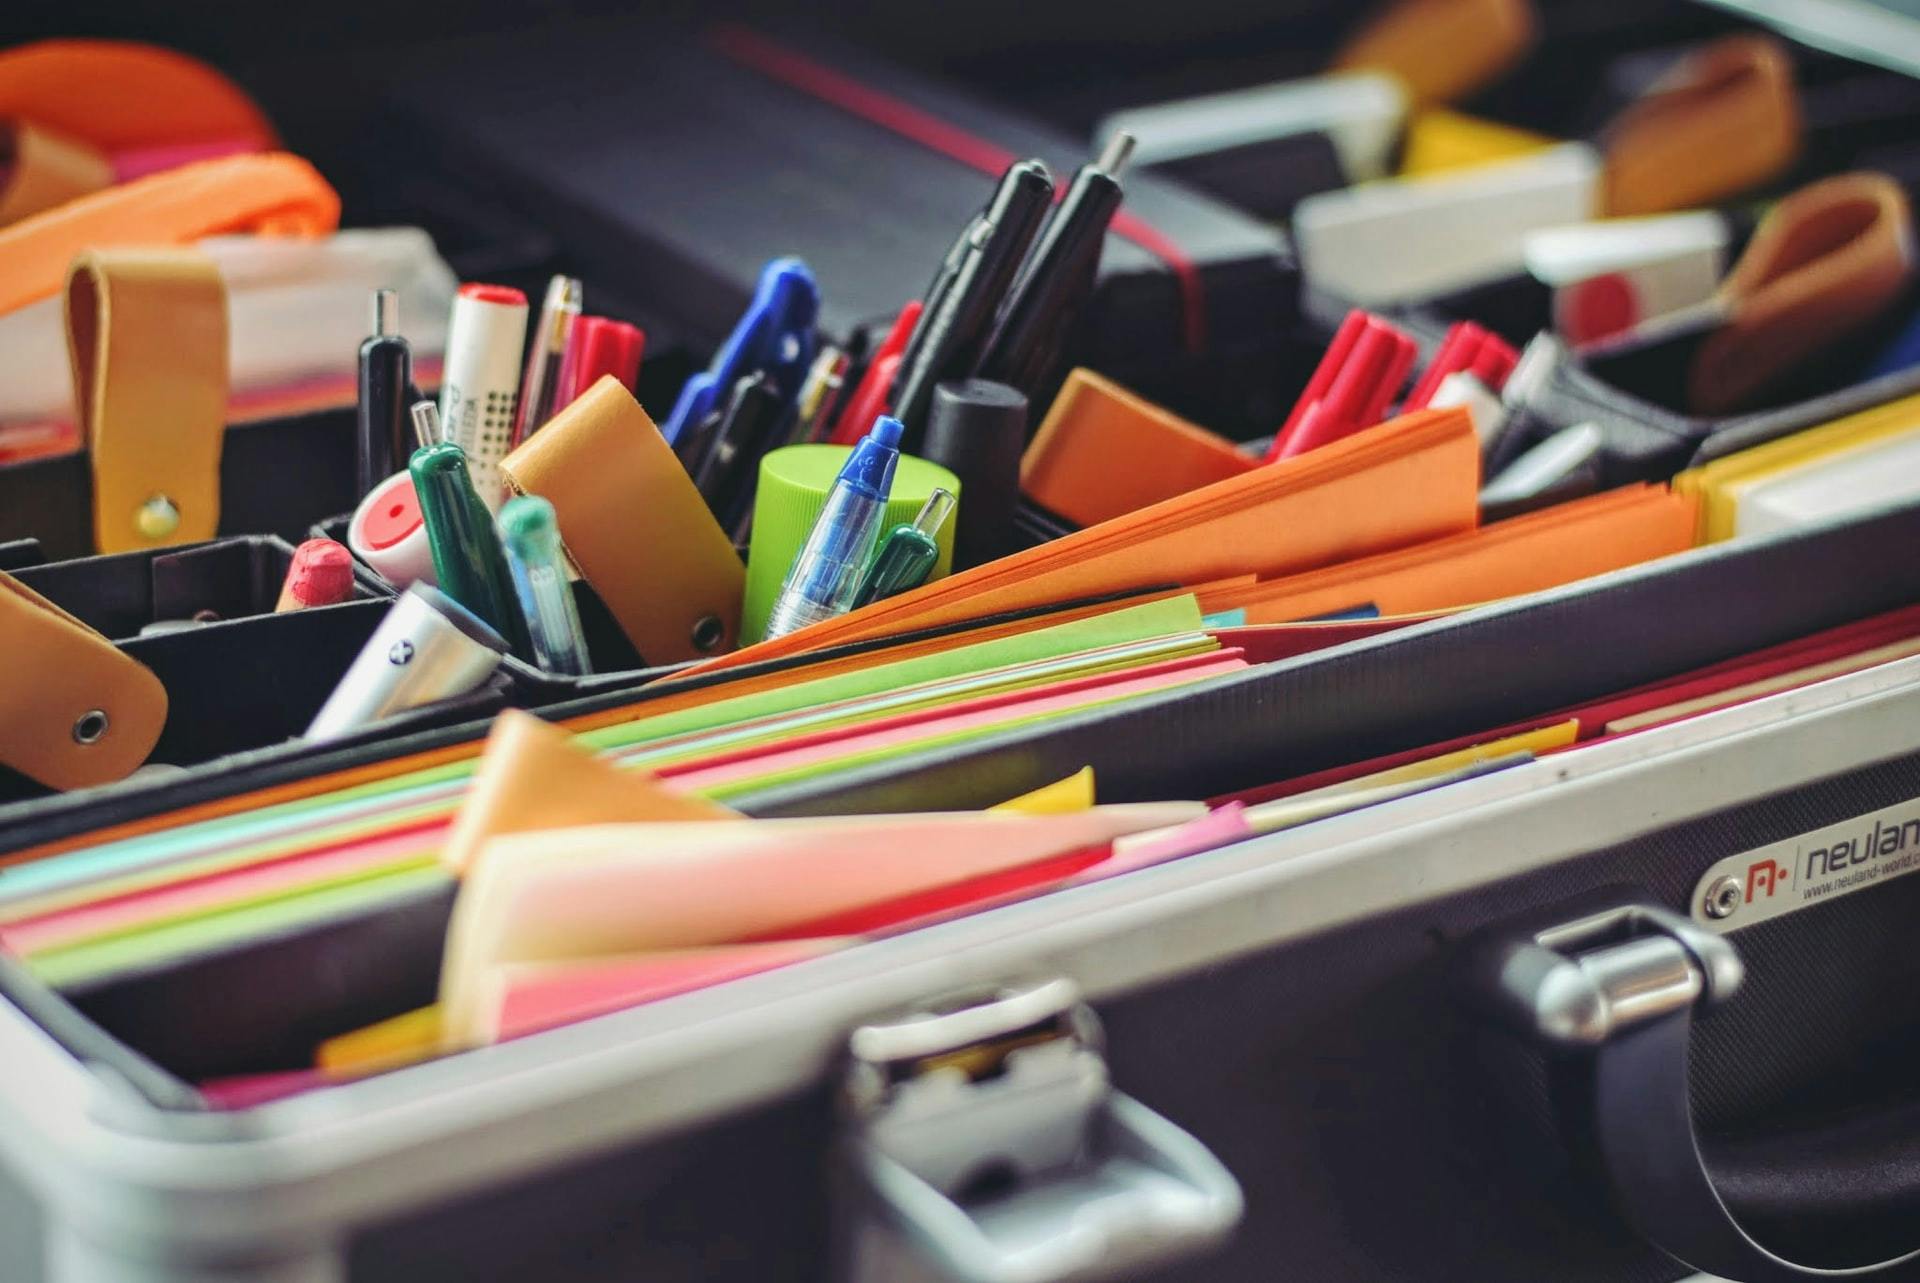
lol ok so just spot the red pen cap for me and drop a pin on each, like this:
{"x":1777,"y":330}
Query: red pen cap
{"x":1352,"y":388}
{"x":1466,"y":349}
{"x":598,"y":346}
{"x":869,"y":400}
{"x":502,"y":295}
{"x":321,"y":574}
{"x":1317,"y":387}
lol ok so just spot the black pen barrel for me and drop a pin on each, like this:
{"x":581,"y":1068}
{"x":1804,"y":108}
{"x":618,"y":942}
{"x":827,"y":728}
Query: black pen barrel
{"x":1027,"y":344}
{"x":956,"y":331}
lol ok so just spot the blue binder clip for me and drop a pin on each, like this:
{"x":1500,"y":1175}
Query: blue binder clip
{"x":775,"y":334}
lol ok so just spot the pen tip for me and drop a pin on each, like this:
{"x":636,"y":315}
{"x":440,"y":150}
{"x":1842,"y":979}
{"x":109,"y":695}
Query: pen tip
{"x":426,"y":423}
{"x":1114,"y":156}
{"x":386,"y":313}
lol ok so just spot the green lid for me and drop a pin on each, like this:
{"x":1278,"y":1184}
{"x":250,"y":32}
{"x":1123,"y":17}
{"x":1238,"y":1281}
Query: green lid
{"x":794,"y":482}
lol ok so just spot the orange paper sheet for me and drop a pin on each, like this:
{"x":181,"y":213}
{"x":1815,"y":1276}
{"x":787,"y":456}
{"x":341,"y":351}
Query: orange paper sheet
{"x":1405,"y":482}
{"x":1542,"y":550}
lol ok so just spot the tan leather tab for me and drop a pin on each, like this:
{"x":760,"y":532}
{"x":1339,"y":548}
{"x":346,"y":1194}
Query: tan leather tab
{"x":634,"y":524}
{"x":1442,"y":50}
{"x":1824,"y":264}
{"x":73,"y":710}
{"x":45,"y":169}
{"x":532,"y":776}
{"x":147,"y":331}
{"x":1724,"y":120}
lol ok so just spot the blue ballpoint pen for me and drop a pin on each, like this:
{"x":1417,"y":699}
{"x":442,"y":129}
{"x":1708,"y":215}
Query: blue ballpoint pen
{"x":826,"y":575}
{"x":775,"y":334}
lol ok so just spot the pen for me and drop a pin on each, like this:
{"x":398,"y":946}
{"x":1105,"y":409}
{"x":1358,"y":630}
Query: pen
{"x":954,"y":329}
{"x":428,"y":647}
{"x":908,"y":552}
{"x":599,"y":346}
{"x":1350,"y":389}
{"x":468,"y":562}
{"x":386,"y":370}
{"x":775,"y":334}
{"x":1467,"y":348}
{"x":868,"y":400}
{"x":541,"y":383}
{"x":1054,"y":287}
{"x":531,"y":536}
{"x":820,"y":396}
{"x":480,"y":378}
{"x":826,"y":573}
{"x":754,"y":413}
{"x":321,"y":574}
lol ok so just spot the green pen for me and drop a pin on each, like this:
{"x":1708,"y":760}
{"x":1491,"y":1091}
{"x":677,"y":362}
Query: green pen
{"x":908,"y":552}
{"x":467,"y":557}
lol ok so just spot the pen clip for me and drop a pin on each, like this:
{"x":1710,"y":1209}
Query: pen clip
{"x":774,"y":334}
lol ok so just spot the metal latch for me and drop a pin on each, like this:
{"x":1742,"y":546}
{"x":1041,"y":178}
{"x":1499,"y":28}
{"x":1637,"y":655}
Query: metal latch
{"x":1577,"y":982}
{"x":984,"y":1144}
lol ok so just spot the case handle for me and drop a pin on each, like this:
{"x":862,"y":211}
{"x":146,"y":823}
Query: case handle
{"x":1618,"y":991}
{"x":985,"y":1146}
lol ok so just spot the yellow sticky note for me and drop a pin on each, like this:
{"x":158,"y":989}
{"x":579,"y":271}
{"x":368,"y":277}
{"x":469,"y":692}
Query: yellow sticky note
{"x":389,"y":1044}
{"x":1441,"y":141}
{"x":1062,"y":797}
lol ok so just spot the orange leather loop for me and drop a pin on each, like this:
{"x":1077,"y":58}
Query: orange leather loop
{"x":45,"y":169}
{"x":147,"y":333}
{"x":275,"y":193}
{"x":1723,"y":121}
{"x":1825,"y":263}
{"x":634,"y":524}
{"x":73,"y":710}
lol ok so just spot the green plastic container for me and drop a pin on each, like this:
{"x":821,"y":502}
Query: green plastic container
{"x":793,"y":488}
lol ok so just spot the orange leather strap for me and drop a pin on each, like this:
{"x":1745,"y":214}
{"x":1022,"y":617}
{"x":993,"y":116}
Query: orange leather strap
{"x":46,"y":169}
{"x":73,"y":710}
{"x":634,"y":524}
{"x":147,"y":332}
{"x":1825,"y":263}
{"x":1725,"y":120}
{"x":1442,"y":50}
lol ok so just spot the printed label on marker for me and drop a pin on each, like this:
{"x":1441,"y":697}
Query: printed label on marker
{"x":1811,"y":869}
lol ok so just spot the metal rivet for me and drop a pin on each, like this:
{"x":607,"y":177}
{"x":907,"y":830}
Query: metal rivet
{"x":157,"y":518}
{"x":1723,"y":897}
{"x":707,"y":632}
{"x":91,"y":726}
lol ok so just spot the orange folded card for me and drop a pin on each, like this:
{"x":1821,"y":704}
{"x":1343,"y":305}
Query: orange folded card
{"x":1405,"y":482}
{"x":1103,"y":452}
{"x":275,"y":193}
{"x":1541,"y":550}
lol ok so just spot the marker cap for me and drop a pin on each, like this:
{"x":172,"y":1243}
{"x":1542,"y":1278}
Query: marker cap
{"x":599,"y":346}
{"x":388,"y":533}
{"x":321,"y":574}
{"x":977,"y":429}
